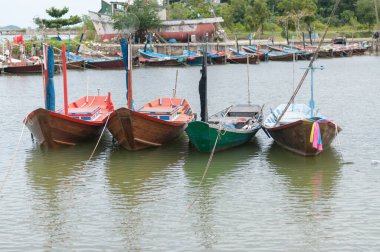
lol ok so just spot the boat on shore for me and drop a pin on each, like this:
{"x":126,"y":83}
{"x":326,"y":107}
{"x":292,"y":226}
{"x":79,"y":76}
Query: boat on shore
{"x":161,"y":62}
{"x":81,"y":120}
{"x":152,"y":125}
{"x":262,"y":54}
{"x":238,"y":57}
{"x":97,"y":63}
{"x":26,"y":68}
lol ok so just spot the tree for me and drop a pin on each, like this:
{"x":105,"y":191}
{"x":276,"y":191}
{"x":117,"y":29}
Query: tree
{"x":88,"y":27}
{"x":365,"y":12}
{"x":225,"y":11}
{"x":295,"y":11}
{"x":179,"y":11}
{"x":140,"y":17}
{"x":57,"y":21}
{"x":257,"y":14}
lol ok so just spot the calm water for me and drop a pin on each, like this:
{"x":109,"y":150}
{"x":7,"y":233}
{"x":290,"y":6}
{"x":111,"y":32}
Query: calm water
{"x":255,"y":197}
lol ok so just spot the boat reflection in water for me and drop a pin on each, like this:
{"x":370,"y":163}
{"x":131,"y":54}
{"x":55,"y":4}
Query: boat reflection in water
{"x":309,"y":190}
{"x":138,"y":185}
{"x":230,"y":164}
{"x":53,"y":178}
{"x":312,"y":179}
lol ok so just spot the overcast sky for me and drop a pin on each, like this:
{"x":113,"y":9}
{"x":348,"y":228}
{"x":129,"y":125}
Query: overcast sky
{"x":22,"y":12}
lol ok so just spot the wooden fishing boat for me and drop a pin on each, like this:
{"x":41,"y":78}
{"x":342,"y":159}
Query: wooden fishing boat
{"x":324,"y":51}
{"x":85,"y":120}
{"x":217,"y":57}
{"x":24,"y":68}
{"x":242,"y":59}
{"x":160,"y":62}
{"x":149,"y":55}
{"x":300,"y":54}
{"x":154,"y":124}
{"x":75,"y":65}
{"x":231,"y":127}
{"x":76,"y":122}
{"x":299,"y":130}
{"x":358,"y":49}
{"x":193,"y":58}
{"x":116,"y":63}
{"x":342,"y":51}
{"x":260,"y":53}
{"x":280,"y":56}
{"x":97,"y":63}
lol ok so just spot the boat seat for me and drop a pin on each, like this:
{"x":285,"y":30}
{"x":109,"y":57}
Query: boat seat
{"x":84,"y":111}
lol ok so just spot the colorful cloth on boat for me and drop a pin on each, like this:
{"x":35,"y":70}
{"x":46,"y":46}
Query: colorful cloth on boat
{"x":315,"y":135}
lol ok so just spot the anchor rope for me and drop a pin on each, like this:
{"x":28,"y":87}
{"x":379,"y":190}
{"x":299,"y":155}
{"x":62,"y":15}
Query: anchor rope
{"x":12,"y":160}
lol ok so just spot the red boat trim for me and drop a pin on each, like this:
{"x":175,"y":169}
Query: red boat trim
{"x":68,"y":118}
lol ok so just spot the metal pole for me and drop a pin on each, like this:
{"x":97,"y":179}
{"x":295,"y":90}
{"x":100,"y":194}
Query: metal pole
{"x":311,"y":103}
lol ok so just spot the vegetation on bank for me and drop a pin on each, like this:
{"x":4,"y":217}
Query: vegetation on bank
{"x":353,"y":18}
{"x":263,"y":18}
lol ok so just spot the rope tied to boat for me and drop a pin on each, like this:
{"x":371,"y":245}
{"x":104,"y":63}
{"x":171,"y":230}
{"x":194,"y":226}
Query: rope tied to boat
{"x":100,"y":137}
{"x":208,"y":163}
{"x":13,"y":160}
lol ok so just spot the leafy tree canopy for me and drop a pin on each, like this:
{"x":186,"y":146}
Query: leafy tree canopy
{"x":139,"y":17}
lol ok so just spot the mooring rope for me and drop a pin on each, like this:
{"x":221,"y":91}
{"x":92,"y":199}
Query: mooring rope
{"x":13,"y":160}
{"x":100,"y":137}
{"x":208,"y":165}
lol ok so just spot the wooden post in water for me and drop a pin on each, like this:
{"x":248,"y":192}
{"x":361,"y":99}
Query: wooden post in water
{"x":377,"y":27}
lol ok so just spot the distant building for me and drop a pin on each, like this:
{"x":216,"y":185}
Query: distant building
{"x":179,"y":30}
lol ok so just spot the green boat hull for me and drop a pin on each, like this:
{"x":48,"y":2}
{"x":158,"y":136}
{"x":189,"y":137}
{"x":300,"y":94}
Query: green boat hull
{"x":203,"y":137}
